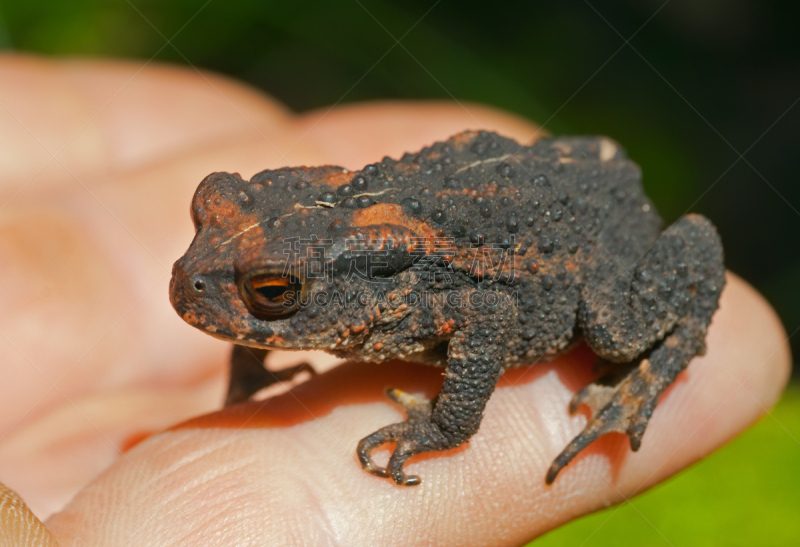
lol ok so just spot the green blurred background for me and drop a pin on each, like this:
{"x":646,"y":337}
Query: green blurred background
{"x":687,"y":86}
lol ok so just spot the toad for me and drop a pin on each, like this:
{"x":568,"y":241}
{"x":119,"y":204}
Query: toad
{"x":476,"y":255}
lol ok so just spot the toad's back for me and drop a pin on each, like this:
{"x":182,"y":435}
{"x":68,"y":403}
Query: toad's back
{"x":536,"y":220}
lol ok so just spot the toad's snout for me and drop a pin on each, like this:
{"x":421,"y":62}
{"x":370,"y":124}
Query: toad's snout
{"x":185,"y":288}
{"x":176,"y":287}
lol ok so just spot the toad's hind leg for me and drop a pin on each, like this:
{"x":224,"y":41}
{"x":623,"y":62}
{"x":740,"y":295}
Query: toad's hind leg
{"x":248,"y":374}
{"x":665,"y":305}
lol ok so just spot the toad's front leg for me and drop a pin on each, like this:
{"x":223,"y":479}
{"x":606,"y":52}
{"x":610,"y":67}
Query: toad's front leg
{"x":474,"y":363}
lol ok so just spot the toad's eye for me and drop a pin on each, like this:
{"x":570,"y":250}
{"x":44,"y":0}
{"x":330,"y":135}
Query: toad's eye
{"x":271,"y":295}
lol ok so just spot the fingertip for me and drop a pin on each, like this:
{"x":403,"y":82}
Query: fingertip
{"x":110,"y":115}
{"x":758,"y":322}
{"x":18,"y":524}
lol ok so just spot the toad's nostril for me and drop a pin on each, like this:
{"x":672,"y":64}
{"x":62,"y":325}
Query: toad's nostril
{"x":199,"y":285}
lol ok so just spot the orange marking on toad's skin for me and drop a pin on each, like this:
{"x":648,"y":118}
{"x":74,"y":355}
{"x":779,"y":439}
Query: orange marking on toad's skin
{"x":336,"y":177}
{"x":446,"y":327}
{"x":381,"y":213}
{"x":391,"y":213}
{"x":219,"y":213}
{"x":463,"y":139}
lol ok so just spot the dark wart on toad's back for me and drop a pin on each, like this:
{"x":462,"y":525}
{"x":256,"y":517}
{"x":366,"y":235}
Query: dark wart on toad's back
{"x":476,"y":255}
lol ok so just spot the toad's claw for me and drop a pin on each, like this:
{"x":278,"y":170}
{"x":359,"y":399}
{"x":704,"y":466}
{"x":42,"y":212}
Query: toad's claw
{"x":625,"y":408}
{"x":395,"y":468}
{"x":415,"y":435}
{"x":364,"y":452}
{"x":594,"y":396}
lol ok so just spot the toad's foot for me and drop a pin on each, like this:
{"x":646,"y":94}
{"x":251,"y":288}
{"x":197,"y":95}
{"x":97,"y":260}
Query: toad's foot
{"x":625,"y":408}
{"x":672,"y":293}
{"x":474,"y":362}
{"x":414,"y":436}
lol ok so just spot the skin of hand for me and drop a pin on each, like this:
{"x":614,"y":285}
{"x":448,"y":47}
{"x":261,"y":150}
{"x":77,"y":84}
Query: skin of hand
{"x":100,"y":162}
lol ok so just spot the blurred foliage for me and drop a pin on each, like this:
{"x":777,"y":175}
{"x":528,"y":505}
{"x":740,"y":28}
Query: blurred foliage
{"x":758,"y":507}
{"x":699,"y":82}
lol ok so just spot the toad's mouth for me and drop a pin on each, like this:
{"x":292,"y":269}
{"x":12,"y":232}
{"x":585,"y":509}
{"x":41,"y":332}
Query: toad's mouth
{"x":246,"y":331}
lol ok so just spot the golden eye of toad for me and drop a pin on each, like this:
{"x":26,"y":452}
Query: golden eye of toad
{"x":271,"y":295}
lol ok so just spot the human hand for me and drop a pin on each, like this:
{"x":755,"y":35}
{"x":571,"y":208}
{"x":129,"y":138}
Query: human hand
{"x":94,"y":358}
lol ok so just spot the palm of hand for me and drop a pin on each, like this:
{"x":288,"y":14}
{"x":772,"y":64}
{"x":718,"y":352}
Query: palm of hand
{"x":103,"y":163}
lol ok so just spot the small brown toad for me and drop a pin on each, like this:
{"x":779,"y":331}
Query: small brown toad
{"x":476,"y":255}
